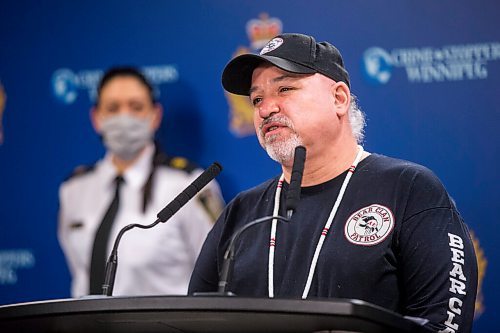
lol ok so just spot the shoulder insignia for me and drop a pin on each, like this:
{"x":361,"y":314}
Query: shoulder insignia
{"x":210,"y":200}
{"x":176,"y":162}
{"x":182,"y":163}
{"x":212,"y":203}
{"x":179,"y":163}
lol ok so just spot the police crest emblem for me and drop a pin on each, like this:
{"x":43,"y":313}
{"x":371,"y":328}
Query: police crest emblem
{"x":260,"y":31}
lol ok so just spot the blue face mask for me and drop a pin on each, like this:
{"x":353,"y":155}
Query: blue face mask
{"x":125,"y":136}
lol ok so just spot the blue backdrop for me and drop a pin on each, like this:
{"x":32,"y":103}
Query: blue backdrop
{"x":426,"y":73}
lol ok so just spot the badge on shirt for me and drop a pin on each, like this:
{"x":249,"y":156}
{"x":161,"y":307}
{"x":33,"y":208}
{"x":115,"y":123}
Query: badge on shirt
{"x":370,"y":225}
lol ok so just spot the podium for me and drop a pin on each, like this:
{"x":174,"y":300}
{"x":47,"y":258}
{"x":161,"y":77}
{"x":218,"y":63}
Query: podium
{"x":201,"y":314}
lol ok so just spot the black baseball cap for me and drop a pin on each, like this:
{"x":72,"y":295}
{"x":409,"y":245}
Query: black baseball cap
{"x":295,"y":53}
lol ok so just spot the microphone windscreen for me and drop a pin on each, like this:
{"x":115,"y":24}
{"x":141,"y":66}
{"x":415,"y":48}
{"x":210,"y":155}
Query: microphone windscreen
{"x":293,"y":194}
{"x":190,"y":192}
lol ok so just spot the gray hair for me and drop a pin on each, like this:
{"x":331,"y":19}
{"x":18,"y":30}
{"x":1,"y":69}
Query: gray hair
{"x":357,"y":120}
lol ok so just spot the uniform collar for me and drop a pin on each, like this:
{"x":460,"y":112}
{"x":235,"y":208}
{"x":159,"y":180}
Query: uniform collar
{"x":136,"y":175}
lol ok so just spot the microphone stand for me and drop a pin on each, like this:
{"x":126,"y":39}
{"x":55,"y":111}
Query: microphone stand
{"x":227,"y":265}
{"x":109,"y":278}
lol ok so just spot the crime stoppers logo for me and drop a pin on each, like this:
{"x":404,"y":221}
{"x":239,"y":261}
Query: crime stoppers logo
{"x":369,"y":225}
{"x":377,"y":65}
{"x":67,"y":83}
{"x":428,"y":64}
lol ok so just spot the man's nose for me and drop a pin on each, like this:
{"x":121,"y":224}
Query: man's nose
{"x":268,"y":107}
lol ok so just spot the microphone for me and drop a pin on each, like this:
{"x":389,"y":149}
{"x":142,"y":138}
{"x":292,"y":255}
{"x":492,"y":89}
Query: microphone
{"x":293,"y":194}
{"x":189,"y":192}
{"x":292,"y":199}
{"x":165,"y":214}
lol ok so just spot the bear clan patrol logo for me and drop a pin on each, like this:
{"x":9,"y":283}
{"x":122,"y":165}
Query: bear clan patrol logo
{"x":272,"y":45}
{"x":369,"y":225}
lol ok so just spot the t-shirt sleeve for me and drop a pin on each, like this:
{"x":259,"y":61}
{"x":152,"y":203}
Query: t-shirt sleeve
{"x":438,"y":264}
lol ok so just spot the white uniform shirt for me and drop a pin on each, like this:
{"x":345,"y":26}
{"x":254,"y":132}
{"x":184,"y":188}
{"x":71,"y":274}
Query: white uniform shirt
{"x":150,"y":261}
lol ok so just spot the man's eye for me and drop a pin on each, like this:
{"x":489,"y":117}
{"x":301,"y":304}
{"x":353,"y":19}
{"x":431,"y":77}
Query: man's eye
{"x":256,"y":101}
{"x":285,"y":89}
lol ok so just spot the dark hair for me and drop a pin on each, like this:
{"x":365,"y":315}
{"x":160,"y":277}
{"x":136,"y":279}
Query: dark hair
{"x":124,"y":71}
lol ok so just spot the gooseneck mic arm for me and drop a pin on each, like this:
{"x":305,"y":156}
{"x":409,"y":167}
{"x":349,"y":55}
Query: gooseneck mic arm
{"x":112,"y":263}
{"x":229,"y":254}
{"x":293,"y":193}
{"x":165,"y":214}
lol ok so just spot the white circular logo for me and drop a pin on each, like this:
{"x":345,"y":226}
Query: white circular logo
{"x":377,"y":65}
{"x":65,"y":85}
{"x":369,"y":225}
{"x":272,"y":45}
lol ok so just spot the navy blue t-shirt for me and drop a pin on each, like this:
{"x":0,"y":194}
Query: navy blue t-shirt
{"x":397,"y":241}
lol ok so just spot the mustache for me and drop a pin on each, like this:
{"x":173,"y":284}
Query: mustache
{"x":278,"y":119}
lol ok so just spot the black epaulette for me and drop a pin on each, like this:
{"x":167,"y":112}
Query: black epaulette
{"x":176,"y":162}
{"x":209,"y":200}
{"x":162,"y":159}
{"x":80,"y":171}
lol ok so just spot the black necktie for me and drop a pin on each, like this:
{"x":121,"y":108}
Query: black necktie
{"x":99,"y":255}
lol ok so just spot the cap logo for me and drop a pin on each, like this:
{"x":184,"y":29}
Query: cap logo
{"x":272,"y":45}
{"x":369,"y":225}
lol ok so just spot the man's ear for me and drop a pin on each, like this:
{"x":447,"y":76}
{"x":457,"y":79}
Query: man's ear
{"x":157,"y":116}
{"x":342,"y":97}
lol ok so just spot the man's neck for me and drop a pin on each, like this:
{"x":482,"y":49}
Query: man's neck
{"x":323,"y":166}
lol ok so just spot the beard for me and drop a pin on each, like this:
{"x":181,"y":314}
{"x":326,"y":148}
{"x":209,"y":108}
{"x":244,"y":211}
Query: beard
{"x":279,"y":148}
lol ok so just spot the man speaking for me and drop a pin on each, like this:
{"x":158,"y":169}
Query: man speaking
{"x":367,"y":226}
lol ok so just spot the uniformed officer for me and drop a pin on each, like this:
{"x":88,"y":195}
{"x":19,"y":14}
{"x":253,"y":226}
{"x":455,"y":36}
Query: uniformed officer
{"x":131,"y":184}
